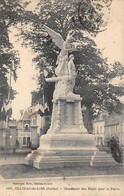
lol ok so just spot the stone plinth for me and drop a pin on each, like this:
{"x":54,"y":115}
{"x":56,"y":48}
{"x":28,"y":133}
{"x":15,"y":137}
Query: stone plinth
{"x":60,"y":150}
{"x":67,"y":142}
{"x":67,"y":116}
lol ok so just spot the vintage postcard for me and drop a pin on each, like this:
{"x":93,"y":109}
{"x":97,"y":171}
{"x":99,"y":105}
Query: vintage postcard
{"x":61,"y":97}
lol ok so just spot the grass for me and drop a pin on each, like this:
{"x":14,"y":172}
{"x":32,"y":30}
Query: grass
{"x":24,"y":171}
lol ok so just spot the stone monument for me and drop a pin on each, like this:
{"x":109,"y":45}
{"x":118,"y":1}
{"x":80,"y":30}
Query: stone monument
{"x":67,"y":142}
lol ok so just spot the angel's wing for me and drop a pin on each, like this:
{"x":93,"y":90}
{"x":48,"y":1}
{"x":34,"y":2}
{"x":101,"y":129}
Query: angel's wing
{"x":56,"y":37}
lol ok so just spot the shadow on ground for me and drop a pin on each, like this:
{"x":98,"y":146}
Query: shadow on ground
{"x":24,"y":171}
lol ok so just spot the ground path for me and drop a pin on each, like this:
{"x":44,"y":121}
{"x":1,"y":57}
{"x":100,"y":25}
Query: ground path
{"x":18,"y":179}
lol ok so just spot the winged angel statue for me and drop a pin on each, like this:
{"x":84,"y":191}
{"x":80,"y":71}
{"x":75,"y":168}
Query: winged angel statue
{"x":65,"y":70}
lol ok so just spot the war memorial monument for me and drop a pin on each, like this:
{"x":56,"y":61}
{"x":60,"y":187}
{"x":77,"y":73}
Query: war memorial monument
{"x":67,"y":142}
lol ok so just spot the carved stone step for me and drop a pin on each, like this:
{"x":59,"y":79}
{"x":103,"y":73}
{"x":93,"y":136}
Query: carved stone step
{"x":105,"y":160}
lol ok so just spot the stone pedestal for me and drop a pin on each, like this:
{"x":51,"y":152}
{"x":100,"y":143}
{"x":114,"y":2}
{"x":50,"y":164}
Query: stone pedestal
{"x":67,"y":116}
{"x":67,"y":142}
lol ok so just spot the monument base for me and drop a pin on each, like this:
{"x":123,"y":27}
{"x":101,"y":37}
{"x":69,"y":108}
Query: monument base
{"x":58,"y":151}
{"x":67,"y":142}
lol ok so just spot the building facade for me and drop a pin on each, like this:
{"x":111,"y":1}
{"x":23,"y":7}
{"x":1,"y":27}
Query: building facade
{"x":27,"y":134}
{"x":31,"y":126}
{"x":104,"y":128}
{"x":99,"y":131}
{"x":114,"y":127}
{"x":8,"y":134}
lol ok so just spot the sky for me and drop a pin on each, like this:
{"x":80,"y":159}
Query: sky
{"x":112,"y":40}
{"x":24,"y":84}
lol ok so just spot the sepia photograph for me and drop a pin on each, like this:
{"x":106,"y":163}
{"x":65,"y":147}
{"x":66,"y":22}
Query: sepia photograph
{"x":61,"y":97}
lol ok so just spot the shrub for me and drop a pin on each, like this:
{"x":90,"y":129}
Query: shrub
{"x":116,"y":149}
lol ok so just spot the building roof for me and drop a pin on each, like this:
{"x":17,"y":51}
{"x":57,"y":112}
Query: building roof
{"x":114,"y":119}
{"x":25,"y":116}
{"x":98,"y":120}
{"x":110,"y":120}
{"x":27,"y":113}
{"x":12,"y":123}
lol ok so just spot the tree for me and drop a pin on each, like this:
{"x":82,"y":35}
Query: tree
{"x":94,"y":76}
{"x":44,"y":93}
{"x":11,"y":13}
{"x":96,"y":87}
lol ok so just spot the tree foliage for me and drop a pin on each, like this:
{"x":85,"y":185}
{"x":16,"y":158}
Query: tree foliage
{"x":10,"y":15}
{"x":116,"y":149}
{"x":94,"y":75}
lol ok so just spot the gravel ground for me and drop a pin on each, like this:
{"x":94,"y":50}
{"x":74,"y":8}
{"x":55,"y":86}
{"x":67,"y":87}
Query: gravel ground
{"x":14,"y":167}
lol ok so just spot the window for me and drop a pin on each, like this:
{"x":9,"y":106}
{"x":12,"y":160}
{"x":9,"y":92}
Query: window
{"x":97,"y":130}
{"x":34,"y":120}
{"x":28,"y":142}
{"x":24,"y":140}
{"x":26,"y":127}
{"x":97,"y":140}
